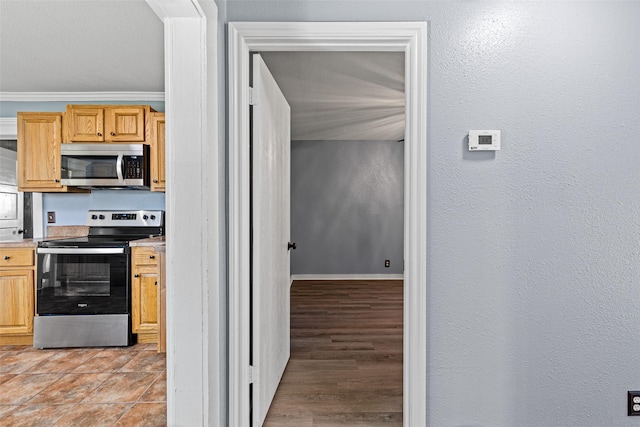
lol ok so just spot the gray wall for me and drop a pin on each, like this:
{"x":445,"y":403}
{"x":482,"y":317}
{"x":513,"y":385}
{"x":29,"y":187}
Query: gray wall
{"x":347,"y":207}
{"x":533,"y":258}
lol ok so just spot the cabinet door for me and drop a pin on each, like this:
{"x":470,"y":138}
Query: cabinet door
{"x":144,"y":300}
{"x":85,"y":123}
{"x":39,"y":138}
{"x":16,"y":302}
{"x":157,"y":141}
{"x":125,"y":124}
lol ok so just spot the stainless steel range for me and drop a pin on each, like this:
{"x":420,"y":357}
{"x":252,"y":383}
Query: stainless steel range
{"x":83,"y":292}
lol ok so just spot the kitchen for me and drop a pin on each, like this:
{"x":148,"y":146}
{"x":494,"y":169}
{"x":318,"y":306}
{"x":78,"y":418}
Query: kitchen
{"x":94,"y":281}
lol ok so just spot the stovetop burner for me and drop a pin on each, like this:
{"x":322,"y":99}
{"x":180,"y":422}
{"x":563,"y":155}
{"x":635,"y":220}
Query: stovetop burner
{"x":114,"y":229}
{"x":95,"y":241}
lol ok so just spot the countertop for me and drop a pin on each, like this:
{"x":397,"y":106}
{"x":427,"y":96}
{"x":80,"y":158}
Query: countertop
{"x":53,"y":232}
{"x":156,"y":242}
{"x":25,"y":243}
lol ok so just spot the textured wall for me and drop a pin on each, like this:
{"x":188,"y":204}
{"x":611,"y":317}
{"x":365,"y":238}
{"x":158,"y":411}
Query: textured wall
{"x":347,"y":207}
{"x":533,"y":258}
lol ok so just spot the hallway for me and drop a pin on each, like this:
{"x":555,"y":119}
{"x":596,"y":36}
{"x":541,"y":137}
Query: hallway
{"x":346,"y":356}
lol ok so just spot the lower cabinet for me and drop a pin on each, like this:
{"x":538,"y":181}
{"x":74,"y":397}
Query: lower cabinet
{"x":17,"y":296}
{"x":144,"y":293}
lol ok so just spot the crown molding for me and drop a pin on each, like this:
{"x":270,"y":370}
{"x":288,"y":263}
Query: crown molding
{"x":80,"y":96}
{"x":176,"y":9}
{"x":8,"y":128}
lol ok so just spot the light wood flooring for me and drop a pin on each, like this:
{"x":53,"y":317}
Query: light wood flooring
{"x":346,"y":356}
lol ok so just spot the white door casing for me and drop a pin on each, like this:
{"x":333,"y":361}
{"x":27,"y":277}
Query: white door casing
{"x":407,"y":37}
{"x":195,"y":291}
{"x":271,"y":229}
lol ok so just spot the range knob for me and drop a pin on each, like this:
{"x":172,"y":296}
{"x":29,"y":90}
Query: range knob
{"x":94,"y":216}
{"x":101,"y":217}
{"x":145,"y":217}
{"x":153,"y":217}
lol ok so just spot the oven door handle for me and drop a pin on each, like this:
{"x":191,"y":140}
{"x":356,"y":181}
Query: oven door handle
{"x":119,"y":165}
{"x":81,"y":251}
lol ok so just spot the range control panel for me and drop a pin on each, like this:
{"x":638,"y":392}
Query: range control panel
{"x":141,"y":218}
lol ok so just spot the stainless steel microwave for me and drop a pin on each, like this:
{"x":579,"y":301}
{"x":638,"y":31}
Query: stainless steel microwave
{"x":105,"y":165}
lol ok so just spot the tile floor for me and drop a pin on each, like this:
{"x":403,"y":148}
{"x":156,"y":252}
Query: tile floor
{"x":87,"y":387}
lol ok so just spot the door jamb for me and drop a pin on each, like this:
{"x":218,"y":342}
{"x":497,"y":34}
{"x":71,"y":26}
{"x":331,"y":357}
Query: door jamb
{"x":407,"y":37}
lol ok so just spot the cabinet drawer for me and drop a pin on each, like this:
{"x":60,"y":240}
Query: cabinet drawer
{"x":16,"y":257}
{"x":144,"y":256}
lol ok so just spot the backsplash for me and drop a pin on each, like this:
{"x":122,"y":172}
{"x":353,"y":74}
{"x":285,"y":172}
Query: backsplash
{"x":71,"y":209}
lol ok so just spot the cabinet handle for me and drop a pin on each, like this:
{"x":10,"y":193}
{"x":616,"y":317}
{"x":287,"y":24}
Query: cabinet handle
{"x":136,"y":275}
{"x":99,"y":134}
{"x":113,"y":134}
{"x":152,"y":256}
{"x":155,"y":181}
{"x":155,"y":284}
{"x":56,"y":180}
{"x":7,"y":257}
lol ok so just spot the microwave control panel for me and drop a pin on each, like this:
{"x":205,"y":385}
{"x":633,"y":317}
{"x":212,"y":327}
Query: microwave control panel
{"x":133,"y":168}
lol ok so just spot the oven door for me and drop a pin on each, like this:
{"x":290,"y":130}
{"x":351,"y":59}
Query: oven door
{"x":82,"y":281}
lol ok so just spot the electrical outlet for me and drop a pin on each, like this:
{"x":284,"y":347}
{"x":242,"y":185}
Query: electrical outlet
{"x":387,"y":263}
{"x":633,"y":402}
{"x":51,"y":217}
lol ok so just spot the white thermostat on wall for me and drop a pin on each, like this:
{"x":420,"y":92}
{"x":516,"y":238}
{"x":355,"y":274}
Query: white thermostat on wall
{"x":487,"y":140}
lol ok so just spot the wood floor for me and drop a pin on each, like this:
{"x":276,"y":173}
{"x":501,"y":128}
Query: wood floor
{"x":346,"y":356}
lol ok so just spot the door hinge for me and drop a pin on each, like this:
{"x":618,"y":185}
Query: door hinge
{"x":252,"y":374}
{"x":252,"y":96}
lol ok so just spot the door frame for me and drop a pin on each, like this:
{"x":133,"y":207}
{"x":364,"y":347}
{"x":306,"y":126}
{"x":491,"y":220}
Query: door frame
{"x":407,"y":37}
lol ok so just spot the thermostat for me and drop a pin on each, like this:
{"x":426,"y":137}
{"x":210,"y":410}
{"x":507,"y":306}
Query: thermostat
{"x":488,"y":140}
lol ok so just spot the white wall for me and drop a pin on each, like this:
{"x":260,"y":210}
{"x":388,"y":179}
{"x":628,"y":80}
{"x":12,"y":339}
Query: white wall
{"x":533,"y":252}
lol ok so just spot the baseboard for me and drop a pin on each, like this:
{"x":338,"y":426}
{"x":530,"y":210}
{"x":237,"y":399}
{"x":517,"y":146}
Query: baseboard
{"x":347,"y":277}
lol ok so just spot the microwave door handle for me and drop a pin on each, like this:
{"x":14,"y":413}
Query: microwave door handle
{"x":119,"y":167}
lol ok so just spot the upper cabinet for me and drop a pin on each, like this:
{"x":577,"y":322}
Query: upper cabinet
{"x":156,"y":141}
{"x":106,"y":123}
{"x":39,"y":138}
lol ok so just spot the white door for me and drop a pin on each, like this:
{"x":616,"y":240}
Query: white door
{"x":271,"y":142}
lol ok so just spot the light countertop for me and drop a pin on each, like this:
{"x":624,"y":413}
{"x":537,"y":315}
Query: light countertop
{"x":25,"y":243}
{"x":157,"y":241}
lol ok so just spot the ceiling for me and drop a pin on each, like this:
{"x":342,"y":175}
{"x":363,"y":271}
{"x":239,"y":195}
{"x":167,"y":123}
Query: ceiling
{"x":117,"y":46}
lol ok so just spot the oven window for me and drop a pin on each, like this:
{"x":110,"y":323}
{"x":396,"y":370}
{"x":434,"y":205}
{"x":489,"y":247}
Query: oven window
{"x":82,"y":284}
{"x":78,"y":279}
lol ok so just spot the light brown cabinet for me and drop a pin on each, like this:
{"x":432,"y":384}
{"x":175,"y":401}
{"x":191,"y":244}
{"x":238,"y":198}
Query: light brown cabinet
{"x":106,"y":123}
{"x":40,"y":136}
{"x":144,"y":294}
{"x":157,"y":142}
{"x":39,"y":139}
{"x":17,"y":295}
